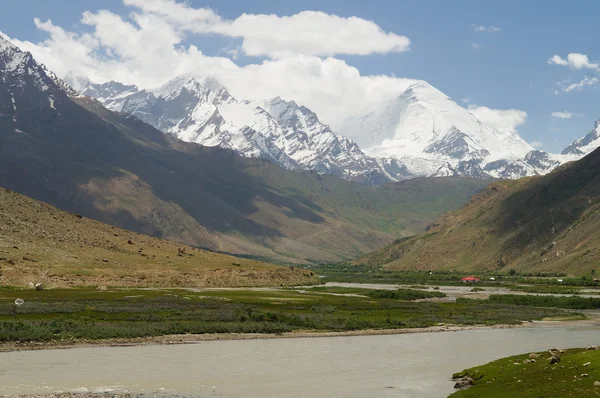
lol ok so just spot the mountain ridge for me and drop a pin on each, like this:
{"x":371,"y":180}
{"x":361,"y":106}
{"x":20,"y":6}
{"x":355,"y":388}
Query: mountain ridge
{"x":420,"y":133}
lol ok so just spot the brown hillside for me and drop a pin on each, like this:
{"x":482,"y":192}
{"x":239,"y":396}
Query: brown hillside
{"x":40,"y":243}
{"x":549,"y":223}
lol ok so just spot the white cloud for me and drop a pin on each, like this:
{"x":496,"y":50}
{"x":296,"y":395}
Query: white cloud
{"x":506,"y":120}
{"x":488,"y":29}
{"x":466,"y":100}
{"x":146,"y":49}
{"x":476,"y":46}
{"x":564,"y":115}
{"x":580,"y":85}
{"x":574,"y":61}
{"x":306,"y":33}
{"x":536,"y":144}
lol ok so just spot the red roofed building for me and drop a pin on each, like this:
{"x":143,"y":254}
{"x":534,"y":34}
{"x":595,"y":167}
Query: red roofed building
{"x":470,"y":279}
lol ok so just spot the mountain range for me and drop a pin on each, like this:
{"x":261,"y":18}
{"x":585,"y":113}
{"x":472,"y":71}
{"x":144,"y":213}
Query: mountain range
{"x":67,"y":149}
{"x":422,"y":132}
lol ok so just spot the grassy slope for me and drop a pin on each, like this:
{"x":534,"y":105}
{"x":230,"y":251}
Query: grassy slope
{"x":40,"y":243}
{"x":510,"y":377}
{"x":545,"y":223}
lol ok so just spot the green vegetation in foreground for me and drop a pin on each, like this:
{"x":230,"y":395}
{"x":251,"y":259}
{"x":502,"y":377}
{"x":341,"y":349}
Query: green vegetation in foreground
{"x":66,"y":314}
{"x":398,"y":294}
{"x":536,"y":282}
{"x":512,"y":377}
{"x":571,"y":302}
{"x":550,"y":289}
{"x":405,"y":294}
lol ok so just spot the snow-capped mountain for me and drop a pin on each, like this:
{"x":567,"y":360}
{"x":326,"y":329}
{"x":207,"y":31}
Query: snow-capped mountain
{"x":585,"y":145}
{"x":427,"y":133}
{"x":203,"y":111}
{"x":422,"y":132}
{"x":26,"y":86}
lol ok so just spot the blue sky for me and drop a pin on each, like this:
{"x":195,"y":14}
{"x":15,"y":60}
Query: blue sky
{"x":505,"y":69}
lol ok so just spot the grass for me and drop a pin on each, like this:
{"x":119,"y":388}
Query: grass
{"x":570,"y":302}
{"x":67,"y":314}
{"x":512,"y":377}
{"x":549,"y":289}
{"x":404,"y":294}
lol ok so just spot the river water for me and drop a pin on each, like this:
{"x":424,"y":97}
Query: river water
{"x":404,"y":365}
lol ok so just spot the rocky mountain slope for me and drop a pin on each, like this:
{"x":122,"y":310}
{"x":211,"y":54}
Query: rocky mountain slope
{"x":422,"y":132}
{"x":586,"y":144}
{"x":43,"y":244}
{"x":548,"y":223}
{"x":202,"y":111}
{"x":72,"y":152}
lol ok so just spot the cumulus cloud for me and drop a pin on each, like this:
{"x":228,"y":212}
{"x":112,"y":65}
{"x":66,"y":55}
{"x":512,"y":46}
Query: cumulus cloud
{"x":488,"y":29}
{"x":307,"y":32}
{"x":536,"y":144}
{"x":505,"y":120}
{"x":146,"y":48}
{"x":574,"y":61}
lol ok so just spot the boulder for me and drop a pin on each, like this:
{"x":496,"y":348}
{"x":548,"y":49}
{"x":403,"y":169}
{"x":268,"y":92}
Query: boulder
{"x":463,"y":382}
{"x":597,"y":383}
{"x":39,"y":286}
{"x":554,"y":360}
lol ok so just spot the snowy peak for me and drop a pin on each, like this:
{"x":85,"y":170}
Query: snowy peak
{"x":203,"y":111}
{"x":586,"y":144}
{"x":428,"y":134}
{"x":205,"y":90}
{"x":18,"y":69}
{"x":112,"y":94}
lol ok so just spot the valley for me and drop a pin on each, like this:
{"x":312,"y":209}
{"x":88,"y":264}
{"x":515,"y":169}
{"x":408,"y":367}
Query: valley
{"x":258,"y":217}
{"x":75,"y":154}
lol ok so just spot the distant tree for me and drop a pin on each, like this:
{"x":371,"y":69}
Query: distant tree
{"x":512,"y":272}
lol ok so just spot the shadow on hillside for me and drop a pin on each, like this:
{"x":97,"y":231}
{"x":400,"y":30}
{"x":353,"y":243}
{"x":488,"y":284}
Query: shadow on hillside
{"x":549,"y":205}
{"x":59,"y":153}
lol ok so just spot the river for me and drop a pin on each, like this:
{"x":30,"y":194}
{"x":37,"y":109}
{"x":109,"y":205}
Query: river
{"x":404,"y":365}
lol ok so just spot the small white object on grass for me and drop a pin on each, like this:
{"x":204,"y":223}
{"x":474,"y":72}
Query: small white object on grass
{"x":19,"y":302}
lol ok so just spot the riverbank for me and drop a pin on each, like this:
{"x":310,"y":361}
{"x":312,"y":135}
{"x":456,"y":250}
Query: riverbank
{"x":198,"y":338}
{"x":555,"y":372}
